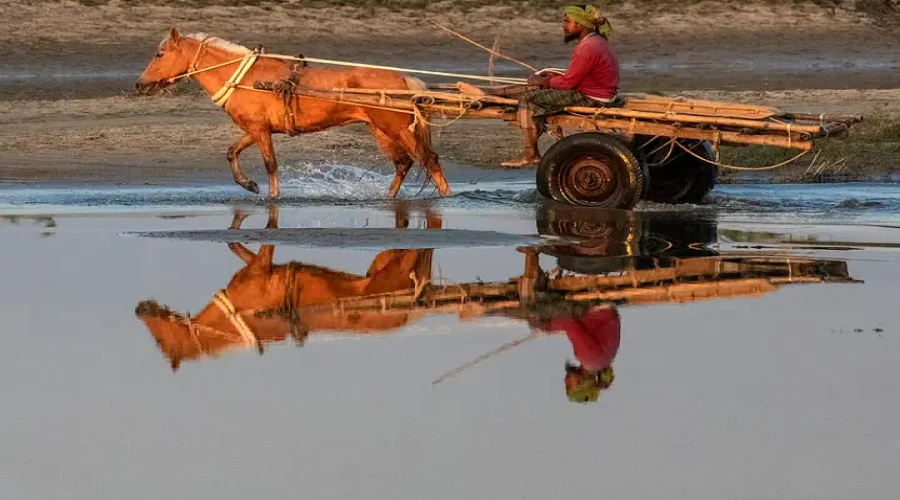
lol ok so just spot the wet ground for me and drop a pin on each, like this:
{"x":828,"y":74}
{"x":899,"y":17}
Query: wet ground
{"x":745,"y":348}
{"x":650,"y":62}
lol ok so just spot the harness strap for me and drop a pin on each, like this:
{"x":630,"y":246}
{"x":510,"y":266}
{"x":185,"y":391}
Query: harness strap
{"x":221,"y":300}
{"x":200,"y":50}
{"x":221,"y":97}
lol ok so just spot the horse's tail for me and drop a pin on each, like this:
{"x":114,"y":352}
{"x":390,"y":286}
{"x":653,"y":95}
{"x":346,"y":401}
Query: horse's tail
{"x":421,"y":127}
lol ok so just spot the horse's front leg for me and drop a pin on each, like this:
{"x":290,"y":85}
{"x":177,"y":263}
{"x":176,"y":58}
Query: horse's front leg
{"x":238,"y":249}
{"x":234,"y":152}
{"x":264,"y":143}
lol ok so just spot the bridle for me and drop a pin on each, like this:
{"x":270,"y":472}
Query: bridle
{"x":221,"y":97}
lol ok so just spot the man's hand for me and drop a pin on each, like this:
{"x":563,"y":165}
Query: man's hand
{"x":540,"y":80}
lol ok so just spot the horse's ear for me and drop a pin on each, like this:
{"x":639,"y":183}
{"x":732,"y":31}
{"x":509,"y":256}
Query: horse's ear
{"x":174,"y":35}
{"x":263,"y":260}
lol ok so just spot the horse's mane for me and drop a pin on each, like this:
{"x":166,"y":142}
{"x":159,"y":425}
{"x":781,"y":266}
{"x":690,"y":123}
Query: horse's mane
{"x":213,"y":41}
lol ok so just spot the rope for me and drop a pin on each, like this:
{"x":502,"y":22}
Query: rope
{"x":660,"y":162}
{"x":194,"y":72}
{"x":511,"y":81}
{"x":416,"y":112}
{"x":734,"y":167}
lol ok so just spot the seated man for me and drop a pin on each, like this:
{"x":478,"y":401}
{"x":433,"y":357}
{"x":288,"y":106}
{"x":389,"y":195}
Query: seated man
{"x":595,"y":335}
{"x":591,"y":79}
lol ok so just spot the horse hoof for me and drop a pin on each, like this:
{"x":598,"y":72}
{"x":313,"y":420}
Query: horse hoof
{"x":251,"y":186}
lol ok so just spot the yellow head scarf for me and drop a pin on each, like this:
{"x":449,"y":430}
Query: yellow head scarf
{"x":589,"y":17}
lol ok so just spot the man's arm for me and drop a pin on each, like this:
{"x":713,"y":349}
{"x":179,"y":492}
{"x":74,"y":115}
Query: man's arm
{"x":582,"y":62}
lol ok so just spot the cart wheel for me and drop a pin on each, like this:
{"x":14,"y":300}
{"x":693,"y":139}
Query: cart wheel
{"x":683,"y":179}
{"x":593,"y":170}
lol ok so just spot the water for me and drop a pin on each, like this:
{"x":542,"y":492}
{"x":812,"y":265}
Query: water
{"x":731,"y":376}
{"x":312,"y":184}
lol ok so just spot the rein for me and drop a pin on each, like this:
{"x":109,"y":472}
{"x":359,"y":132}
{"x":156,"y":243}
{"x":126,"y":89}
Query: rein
{"x":221,"y":300}
{"x":227,"y":307}
{"x":247,"y":61}
{"x":220,"y":97}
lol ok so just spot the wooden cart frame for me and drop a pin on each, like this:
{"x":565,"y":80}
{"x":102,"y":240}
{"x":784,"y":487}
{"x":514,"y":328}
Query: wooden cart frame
{"x":639,"y":147}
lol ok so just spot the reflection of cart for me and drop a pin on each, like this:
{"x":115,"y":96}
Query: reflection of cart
{"x":642,"y":147}
{"x":537,"y":294}
{"x":605,"y":257}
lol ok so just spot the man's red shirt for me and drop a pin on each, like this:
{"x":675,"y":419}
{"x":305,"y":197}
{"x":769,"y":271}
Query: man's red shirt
{"x":593,"y":71}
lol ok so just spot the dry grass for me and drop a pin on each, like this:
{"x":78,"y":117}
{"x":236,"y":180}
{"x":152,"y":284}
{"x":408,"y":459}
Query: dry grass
{"x":872,"y":150}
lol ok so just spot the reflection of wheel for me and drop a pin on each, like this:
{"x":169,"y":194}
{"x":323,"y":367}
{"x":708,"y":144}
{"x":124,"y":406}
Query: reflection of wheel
{"x":608,"y":232}
{"x":603,"y":241}
{"x":681,"y":178}
{"x":591,"y":169}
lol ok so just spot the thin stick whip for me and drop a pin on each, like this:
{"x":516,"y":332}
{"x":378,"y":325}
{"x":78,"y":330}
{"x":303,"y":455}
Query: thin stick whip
{"x":495,"y":47}
{"x":483,"y":357}
{"x":448,"y":30}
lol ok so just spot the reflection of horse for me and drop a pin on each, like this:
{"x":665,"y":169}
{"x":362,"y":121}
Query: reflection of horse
{"x":270,"y":303}
{"x":216,"y":65}
{"x":261,"y":301}
{"x":44,"y":221}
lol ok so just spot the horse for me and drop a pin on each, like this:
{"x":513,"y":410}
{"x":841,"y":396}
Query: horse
{"x":215,"y":64}
{"x":266,"y":303}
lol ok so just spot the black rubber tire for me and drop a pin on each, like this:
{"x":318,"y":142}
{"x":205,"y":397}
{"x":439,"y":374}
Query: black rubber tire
{"x":591,"y":169}
{"x":684,"y":179}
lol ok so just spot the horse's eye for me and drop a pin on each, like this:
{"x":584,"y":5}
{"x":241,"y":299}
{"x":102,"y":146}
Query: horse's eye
{"x":159,"y":54}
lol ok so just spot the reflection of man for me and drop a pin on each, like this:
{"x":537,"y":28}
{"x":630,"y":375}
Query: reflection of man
{"x":591,"y":79}
{"x":595,"y":341}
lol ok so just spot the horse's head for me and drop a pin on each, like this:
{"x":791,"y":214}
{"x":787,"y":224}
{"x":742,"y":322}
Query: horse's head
{"x":171,"y":330}
{"x":181,"y":337}
{"x":171,"y":60}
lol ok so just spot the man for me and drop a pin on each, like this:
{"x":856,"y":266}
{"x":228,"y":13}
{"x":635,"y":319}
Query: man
{"x":595,"y":337}
{"x":591,"y":79}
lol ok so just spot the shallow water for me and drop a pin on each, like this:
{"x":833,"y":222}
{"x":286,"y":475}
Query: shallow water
{"x":769,"y":388}
{"x":354,"y":187}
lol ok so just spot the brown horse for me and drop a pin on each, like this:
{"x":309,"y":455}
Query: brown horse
{"x":261,"y":113}
{"x":259,"y":304}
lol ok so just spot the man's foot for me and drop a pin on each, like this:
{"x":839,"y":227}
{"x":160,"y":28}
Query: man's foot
{"x":524,"y":162}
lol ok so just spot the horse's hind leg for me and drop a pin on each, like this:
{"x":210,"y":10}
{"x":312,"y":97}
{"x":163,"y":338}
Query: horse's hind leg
{"x":395,"y":151}
{"x":399,"y":132}
{"x":234,"y":152}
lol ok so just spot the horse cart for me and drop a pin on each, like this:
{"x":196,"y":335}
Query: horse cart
{"x":641,"y":147}
{"x":638,"y":147}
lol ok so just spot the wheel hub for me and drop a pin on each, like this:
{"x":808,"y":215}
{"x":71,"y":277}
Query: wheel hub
{"x":589,"y":180}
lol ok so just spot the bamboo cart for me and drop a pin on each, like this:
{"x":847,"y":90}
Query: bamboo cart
{"x":640,"y":147}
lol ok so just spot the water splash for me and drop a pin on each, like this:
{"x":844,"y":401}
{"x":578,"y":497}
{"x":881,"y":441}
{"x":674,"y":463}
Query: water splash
{"x":322,"y":181}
